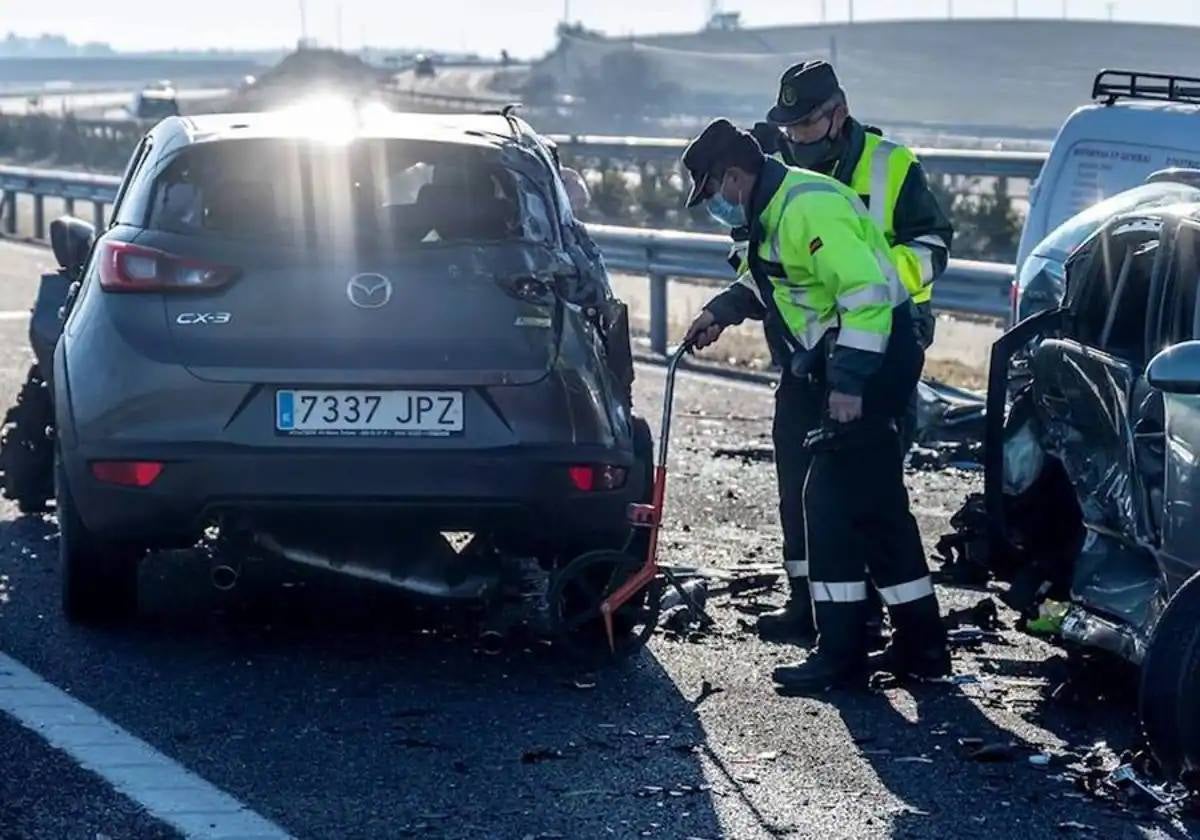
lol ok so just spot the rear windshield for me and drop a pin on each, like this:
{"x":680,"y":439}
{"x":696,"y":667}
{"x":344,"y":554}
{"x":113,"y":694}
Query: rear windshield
{"x":371,"y":193}
{"x":1071,"y":233}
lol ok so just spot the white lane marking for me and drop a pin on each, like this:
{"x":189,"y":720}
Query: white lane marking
{"x":14,"y":314}
{"x":162,"y":786}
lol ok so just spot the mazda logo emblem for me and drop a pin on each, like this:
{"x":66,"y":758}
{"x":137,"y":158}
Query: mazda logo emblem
{"x":369,"y":291}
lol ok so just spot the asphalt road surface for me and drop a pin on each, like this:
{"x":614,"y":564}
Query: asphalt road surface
{"x":326,"y":710}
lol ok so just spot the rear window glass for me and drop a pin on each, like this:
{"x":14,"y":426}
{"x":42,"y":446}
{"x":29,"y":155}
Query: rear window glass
{"x":372,"y":193}
{"x":1068,"y":236}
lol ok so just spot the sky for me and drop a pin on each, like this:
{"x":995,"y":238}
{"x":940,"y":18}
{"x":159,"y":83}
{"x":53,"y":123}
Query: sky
{"x":524,"y":27}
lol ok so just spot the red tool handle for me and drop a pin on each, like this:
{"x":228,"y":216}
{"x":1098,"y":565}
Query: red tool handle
{"x":650,"y":568}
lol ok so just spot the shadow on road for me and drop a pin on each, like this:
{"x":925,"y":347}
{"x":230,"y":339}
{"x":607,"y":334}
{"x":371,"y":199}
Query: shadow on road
{"x":329,"y":708}
{"x":923,"y":755}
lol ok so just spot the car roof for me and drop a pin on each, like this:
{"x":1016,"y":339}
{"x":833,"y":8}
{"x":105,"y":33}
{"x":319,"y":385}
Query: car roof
{"x":321,"y":119}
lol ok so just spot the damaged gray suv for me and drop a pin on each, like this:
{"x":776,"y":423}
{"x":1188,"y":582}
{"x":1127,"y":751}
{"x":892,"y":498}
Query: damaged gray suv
{"x":342,"y":345}
{"x":1093,"y":462}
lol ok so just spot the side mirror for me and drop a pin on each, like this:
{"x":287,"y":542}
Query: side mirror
{"x":1176,"y":370}
{"x":71,"y":240}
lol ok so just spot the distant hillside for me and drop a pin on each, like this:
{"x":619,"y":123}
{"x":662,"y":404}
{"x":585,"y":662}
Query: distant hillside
{"x":106,"y":71}
{"x":1016,"y":78}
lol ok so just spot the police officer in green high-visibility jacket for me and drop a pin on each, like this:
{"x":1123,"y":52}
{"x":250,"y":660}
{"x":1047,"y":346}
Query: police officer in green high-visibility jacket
{"x":810,"y":127}
{"x":822,"y":278}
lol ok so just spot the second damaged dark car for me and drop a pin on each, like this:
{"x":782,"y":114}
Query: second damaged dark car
{"x":1092,"y":454}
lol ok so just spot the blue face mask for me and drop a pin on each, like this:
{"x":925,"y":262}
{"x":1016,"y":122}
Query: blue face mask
{"x":725,"y":212}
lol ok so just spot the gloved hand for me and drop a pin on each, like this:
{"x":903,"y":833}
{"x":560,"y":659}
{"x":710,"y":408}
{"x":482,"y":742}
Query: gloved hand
{"x":845,"y":408}
{"x":768,"y":136}
{"x":704,"y":330}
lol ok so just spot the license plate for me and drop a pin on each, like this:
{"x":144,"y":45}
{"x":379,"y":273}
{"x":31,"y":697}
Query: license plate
{"x":382,"y":413}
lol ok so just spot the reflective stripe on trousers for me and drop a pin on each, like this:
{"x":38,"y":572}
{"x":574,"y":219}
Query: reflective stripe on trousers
{"x":905,"y":593}
{"x":838,"y":593}
{"x":795,"y":568}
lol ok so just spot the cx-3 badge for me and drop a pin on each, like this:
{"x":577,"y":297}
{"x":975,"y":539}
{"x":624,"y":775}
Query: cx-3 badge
{"x":369,"y":291}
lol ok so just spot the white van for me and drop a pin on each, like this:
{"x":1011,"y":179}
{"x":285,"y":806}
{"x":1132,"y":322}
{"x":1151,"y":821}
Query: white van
{"x":1139,"y":123}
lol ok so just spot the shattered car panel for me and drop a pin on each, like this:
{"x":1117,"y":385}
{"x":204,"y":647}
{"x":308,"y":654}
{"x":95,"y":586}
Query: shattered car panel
{"x":1090,"y":488}
{"x":1083,"y":403}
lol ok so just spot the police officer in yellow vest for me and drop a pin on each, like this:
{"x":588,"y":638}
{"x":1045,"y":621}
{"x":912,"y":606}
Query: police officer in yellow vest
{"x":810,"y":127}
{"x":836,"y":314}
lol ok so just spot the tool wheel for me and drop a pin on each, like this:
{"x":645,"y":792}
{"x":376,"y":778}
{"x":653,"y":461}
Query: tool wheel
{"x":576,"y":593}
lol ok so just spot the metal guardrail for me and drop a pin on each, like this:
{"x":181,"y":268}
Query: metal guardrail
{"x":968,"y":287}
{"x":100,"y":190}
{"x":980,"y":162}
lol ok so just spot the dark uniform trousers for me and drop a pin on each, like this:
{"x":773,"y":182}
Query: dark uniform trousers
{"x":857,"y":517}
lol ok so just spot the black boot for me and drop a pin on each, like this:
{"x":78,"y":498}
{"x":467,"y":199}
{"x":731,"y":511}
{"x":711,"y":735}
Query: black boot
{"x":876,"y":635}
{"x":840,"y":659}
{"x":792,"y":623}
{"x":926,"y":663}
{"x":918,"y":646}
{"x":821,"y":672}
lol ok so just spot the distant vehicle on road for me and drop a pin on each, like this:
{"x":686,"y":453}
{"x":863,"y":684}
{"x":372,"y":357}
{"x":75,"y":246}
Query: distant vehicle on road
{"x":1138,"y":123}
{"x":156,"y":101}
{"x":423,"y":67}
{"x":1093,"y":465}
{"x":337,"y":354}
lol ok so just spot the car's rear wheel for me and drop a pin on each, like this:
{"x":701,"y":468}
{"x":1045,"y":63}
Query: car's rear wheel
{"x":99,"y":578}
{"x":1170,"y":684}
{"x":26,"y":446}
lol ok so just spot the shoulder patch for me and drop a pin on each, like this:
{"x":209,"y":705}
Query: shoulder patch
{"x":815,"y":245}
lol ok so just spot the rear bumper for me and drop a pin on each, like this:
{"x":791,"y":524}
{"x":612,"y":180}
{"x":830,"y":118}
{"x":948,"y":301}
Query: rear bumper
{"x":521,"y":490}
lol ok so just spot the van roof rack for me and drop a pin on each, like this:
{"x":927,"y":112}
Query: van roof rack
{"x":1111,"y":85}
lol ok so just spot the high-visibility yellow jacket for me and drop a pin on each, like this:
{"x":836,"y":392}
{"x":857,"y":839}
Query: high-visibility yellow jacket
{"x":817,"y":263}
{"x":888,"y":178}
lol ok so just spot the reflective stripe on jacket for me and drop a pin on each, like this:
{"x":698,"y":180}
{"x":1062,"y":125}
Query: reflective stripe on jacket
{"x":824,"y":264}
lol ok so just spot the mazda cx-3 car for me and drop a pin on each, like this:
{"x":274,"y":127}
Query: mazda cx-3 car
{"x":341,"y":339}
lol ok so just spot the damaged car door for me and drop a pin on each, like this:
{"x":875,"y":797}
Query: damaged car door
{"x":1093,"y":402}
{"x":1173,"y":373}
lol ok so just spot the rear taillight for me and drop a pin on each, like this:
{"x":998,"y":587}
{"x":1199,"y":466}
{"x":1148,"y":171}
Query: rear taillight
{"x":589,"y":478}
{"x":135,"y":268}
{"x":127,"y":473}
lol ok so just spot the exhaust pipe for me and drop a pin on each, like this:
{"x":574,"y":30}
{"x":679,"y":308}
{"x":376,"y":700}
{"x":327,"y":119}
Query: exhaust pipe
{"x":224,"y":577}
{"x":471,"y":587}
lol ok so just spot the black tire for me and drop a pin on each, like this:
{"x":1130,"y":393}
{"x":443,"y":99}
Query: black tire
{"x":27,"y":446}
{"x":99,"y":579}
{"x":1170,"y":684}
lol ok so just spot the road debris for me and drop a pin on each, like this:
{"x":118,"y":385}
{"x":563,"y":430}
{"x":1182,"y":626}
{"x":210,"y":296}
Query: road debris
{"x":993,"y":753}
{"x":540,"y":754}
{"x":983,"y":615}
{"x":748,"y":454}
{"x":1072,"y":825}
{"x":963,"y":553}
